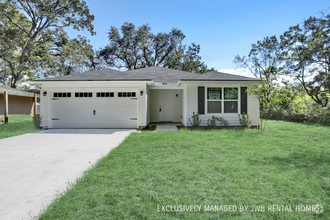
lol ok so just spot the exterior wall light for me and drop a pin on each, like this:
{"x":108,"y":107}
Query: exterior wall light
{"x":141,"y":93}
{"x":45,"y":93}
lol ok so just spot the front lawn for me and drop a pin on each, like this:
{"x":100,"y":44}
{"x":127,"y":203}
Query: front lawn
{"x":156,"y":175}
{"x":18,"y":125}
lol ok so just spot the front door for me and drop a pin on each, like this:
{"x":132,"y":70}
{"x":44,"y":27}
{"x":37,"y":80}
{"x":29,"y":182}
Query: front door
{"x":165,"y":105}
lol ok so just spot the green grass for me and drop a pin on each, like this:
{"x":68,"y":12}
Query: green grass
{"x":287,"y":164}
{"x":18,"y":125}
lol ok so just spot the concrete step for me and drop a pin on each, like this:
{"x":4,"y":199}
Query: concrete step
{"x":166,"y":128}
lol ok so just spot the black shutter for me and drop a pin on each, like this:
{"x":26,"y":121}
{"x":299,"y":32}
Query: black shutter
{"x":201,"y":100}
{"x":243,"y":100}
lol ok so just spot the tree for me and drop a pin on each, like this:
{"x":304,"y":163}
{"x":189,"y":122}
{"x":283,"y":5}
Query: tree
{"x":69,"y":56}
{"x":30,"y":31}
{"x":187,"y":60}
{"x":265,"y":62}
{"x":308,"y":56}
{"x":136,"y":48}
{"x":12,"y":39}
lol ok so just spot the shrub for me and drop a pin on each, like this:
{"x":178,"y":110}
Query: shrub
{"x":151,"y":126}
{"x":326,"y":119}
{"x":305,"y":111}
{"x":222,"y":121}
{"x":37,"y":121}
{"x":195,"y":122}
{"x":212,"y":122}
{"x":244,"y":120}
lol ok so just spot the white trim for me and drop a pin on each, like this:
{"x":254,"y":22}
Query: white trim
{"x":166,"y":87}
{"x":205,"y":83}
{"x":145,"y":94}
{"x":86,"y":82}
{"x":184,"y":105}
{"x":222,"y":100}
{"x":41,"y":106}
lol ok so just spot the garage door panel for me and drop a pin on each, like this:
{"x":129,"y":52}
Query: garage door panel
{"x":109,"y":113}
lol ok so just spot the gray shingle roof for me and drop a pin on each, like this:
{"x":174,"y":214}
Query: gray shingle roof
{"x":155,"y":73}
{"x":16,"y":92}
{"x":97,"y":75}
{"x":219,"y":76}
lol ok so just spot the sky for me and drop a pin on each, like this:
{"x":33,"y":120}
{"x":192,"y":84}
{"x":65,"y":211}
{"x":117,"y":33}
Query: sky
{"x":223,"y":29}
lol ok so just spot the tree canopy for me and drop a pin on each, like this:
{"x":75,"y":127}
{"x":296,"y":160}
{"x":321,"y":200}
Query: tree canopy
{"x":302,"y":52}
{"x":33,"y":39}
{"x":134,"y":48}
{"x":307,"y":49}
{"x":265,"y":61}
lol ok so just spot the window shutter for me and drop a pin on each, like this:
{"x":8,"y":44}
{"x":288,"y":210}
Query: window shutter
{"x":201,"y":100}
{"x":243,"y":100}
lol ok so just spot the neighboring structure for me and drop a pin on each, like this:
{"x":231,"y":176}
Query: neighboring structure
{"x":20,"y":102}
{"x":132,"y":99}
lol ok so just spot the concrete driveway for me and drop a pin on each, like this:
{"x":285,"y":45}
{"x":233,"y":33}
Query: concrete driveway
{"x":36,"y":167}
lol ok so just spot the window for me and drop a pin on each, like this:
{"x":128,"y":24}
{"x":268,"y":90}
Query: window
{"x":231,"y":93}
{"x":214,"y":95}
{"x":62,"y":94}
{"x":104,"y":94}
{"x":126,"y":94}
{"x":83,"y":94}
{"x":231,"y":100}
{"x":222,"y":100}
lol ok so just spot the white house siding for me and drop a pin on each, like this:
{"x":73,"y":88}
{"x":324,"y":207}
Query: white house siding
{"x":43,"y":109}
{"x":253,"y":109}
{"x":148,"y":106}
{"x":51,"y":87}
{"x":177,"y":104}
{"x":232,"y":118}
{"x":184,"y":106}
{"x":144,"y":106}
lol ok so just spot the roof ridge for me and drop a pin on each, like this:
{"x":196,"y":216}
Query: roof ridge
{"x":232,"y":74}
{"x":155,"y":73}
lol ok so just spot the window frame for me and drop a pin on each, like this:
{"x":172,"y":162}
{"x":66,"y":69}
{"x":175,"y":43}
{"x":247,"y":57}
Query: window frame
{"x":238,"y":100}
{"x":231,"y":100}
{"x":213,"y":100}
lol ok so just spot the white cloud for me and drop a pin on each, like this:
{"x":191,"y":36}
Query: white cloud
{"x":238,"y":71}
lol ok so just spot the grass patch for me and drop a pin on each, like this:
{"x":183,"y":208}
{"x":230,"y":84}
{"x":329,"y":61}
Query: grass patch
{"x":287,"y":164}
{"x":18,"y":125}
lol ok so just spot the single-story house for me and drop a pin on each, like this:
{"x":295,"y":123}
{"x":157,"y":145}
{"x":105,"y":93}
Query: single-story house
{"x":131,"y":99}
{"x":19,"y":102}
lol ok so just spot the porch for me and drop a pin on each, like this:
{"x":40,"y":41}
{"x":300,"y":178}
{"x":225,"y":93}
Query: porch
{"x":165,"y":105}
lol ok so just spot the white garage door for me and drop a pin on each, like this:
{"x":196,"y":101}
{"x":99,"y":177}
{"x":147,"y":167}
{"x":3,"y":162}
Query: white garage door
{"x":87,"y":109}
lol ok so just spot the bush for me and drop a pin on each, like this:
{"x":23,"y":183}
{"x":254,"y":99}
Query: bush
{"x":306,"y":111}
{"x":244,"y":120}
{"x":37,"y":121}
{"x":212,"y":122}
{"x":195,"y":122}
{"x":326,"y":118}
{"x":222,"y":121}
